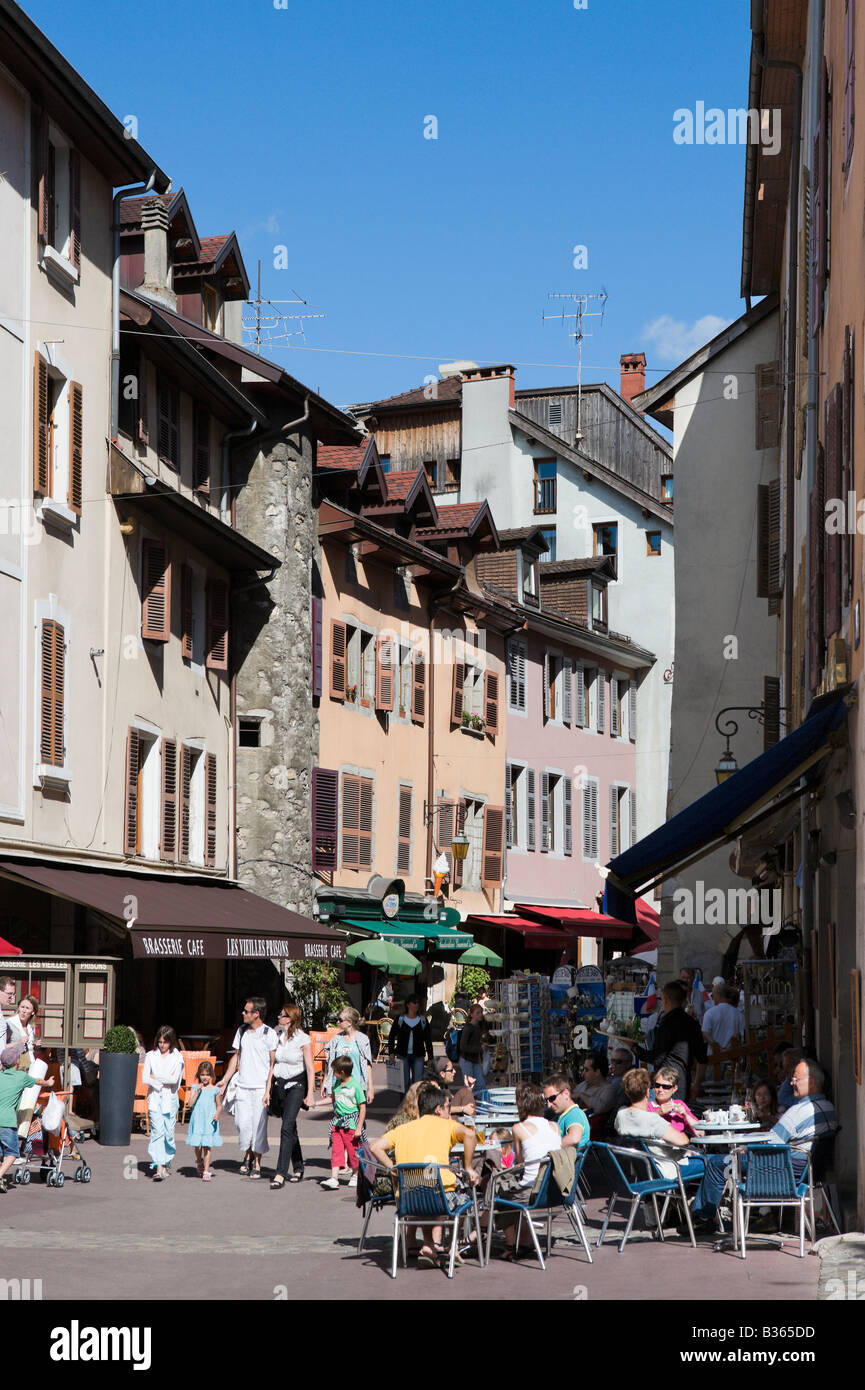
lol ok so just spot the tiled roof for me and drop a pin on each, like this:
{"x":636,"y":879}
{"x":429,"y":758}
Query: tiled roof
{"x":449,"y":388}
{"x":456,"y":518}
{"x":400,"y":484}
{"x":211,"y":246}
{"x":346,"y":457}
{"x":581,"y":566}
{"x":130,"y":208}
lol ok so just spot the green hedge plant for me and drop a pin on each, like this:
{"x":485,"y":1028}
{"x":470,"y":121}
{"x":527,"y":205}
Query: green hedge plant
{"x":120,"y":1039}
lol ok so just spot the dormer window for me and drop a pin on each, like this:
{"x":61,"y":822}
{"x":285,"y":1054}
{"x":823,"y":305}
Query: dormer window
{"x":599,"y":606}
{"x":529,"y":568}
{"x":211,"y":309}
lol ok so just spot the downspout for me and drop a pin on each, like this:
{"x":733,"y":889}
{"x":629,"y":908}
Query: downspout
{"x":227,"y":440}
{"x":115,"y":295}
{"x":430,"y":777}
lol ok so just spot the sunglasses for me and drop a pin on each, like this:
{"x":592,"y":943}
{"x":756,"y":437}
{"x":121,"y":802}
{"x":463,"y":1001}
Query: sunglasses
{"x":554,"y":1096}
{"x":665,"y":1086}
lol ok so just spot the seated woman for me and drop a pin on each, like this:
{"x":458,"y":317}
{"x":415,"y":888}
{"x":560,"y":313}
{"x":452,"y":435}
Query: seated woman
{"x":764,"y":1099}
{"x":534,"y":1137}
{"x":676,"y":1112}
{"x":637,"y":1121}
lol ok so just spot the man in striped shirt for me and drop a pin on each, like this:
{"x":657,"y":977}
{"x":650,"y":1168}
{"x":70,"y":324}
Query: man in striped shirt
{"x":810,"y":1117}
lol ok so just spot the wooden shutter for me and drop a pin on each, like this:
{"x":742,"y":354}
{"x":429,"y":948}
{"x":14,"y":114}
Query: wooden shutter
{"x":762,"y":541}
{"x":832,"y":542}
{"x":384,"y":673}
{"x":75,"y":209}
{"x":546,"y":686}
{"x":849,"y":80}
{"x":459,"y":864}
{"x":632,"y":798}
{"x":819,"y":206}
{"x":217,"y":625}
{"x":76,"y":446}
{"x":156,"y":581}
{"x":774,"y":545}
{"x":418,"y":688}
{"x":325,"y":818}
{"x":601,"y":687}
{"x":142,"y":435}
{"x":403,"y":833}
{"x":41,"y":427}
{"x":46,"y":183}
{"x":51,"y":750}
{"x":365,"y":829}
{"x":130,"y":819}
{"x":771,"y":710}
{"x":356,"y":821}
{"x":590,"y":820}
{"x":491,"y":703}
{"x":458,"y":681}
{"x":492,"y":863}
{"x":545,"y":812}
{"x":531,"y":814}
{"x":316,"y":624}
{"x":509,"y":806}
{"x":632,"y":711}
{"x":816,"y":523}
{"x":568,"y":796}
{"x":168,"y":841}
{"x":847,"y":415}
{"x":338,"y":658}
{"x":516,"y":686}
{"x":201,"y":448}
{"x":581,"y":714}
{"x":186,"y":611}
{"x":614,"y":821}
{"x":614,"y":706}
{"x":185,"y":785}
{"x":210,"y":789}
{"x":446,"y":818}
{"x":168,"y":425}
{"x":522,"y":653}
{"x":768,"y":405}
{"x":567,"y":693}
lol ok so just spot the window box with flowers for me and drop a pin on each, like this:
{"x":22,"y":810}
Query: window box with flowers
{"x":351,"y":693}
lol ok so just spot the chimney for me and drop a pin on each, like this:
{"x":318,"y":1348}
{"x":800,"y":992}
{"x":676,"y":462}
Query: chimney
{"x":633,"y":365}
{"x":154,"y":224}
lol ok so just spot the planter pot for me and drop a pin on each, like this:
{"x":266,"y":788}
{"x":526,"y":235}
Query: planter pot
{"x":118,"y":1073}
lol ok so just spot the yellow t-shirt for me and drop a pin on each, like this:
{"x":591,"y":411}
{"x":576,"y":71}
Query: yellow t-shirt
{"x":427,"y":1140}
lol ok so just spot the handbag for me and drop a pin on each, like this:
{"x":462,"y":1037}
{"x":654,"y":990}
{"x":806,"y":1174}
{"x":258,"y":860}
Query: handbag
{"x":277,"y":1098}
{"x":229,"y":1099}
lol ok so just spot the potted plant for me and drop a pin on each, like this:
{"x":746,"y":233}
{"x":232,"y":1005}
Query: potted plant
{"x":402,"y":712}
{"x":467,"y":719}
{"x":351,"y":693}
{"x":477,"y":723}
{"x":118,"y":1073}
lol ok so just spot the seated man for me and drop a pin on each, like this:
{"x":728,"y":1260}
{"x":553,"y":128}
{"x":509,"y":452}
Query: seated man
{"x":572,"y":1121}
{"x":620,"y":1062}
{"x":595,"y":1092}
{"x":809,"y":1118}
{"x":429,"y":1139}
{"x":723,"y":1023}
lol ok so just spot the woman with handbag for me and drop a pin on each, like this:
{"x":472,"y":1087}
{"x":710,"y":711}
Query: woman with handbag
{"x":291,"y":1085}
{"x":410,"y":1039}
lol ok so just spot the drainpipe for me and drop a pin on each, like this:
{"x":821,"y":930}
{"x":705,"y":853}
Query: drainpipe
{"x":115,"y":295}
{"x":430,"y":778}
{"x":228,"y":439}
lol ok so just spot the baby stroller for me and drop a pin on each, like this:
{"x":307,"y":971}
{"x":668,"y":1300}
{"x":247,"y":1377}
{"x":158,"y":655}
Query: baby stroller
{"x":56,"y":1148}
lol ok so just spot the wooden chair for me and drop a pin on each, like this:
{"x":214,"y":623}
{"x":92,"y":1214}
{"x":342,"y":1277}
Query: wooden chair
{"x":140,"y":1112}
{"x":191,"y":1063}
{"x":748,"y":1052}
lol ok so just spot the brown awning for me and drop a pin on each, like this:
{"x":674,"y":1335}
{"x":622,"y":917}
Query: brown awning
{"x":184,"y":917}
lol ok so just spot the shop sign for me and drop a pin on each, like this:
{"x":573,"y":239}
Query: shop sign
{"x":390,"y":905}
{"x":160,"y":945}
{"x":588,"y":972}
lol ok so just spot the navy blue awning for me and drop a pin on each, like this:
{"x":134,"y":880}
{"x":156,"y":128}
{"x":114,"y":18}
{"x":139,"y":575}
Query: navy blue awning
{"x":718,"y":816}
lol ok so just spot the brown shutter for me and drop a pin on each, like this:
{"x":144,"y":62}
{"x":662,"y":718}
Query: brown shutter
{"x":217,"y":625}
{"x":76,"y":446}
{"x":459,"y":680}
{"x":365,"y":828}
{"x":493,"y":855}
{"x":768,"y":406}
{"x":41,"y":421}
{"x":201,"y":449}
{"x":142,"y":436}
{"x":384,"y":673}
{"x":762,"y":541}
{"x":325,"y":817}
{"x":418,"y":689}
{"x":185,"y":784}
{"x":156,"y":579}
{"x":130,"y":845}
{"x":849,"y":80}
{"x":337,"y":660}
{"x":772,"y":710}
{"x":316,"y":623}
{"x":168,"y":843}
{"x":350,"y":821}
{"x":445,"y":821}
{"x":491,"y":703}
{"x":774,"y":545}
{"x":75,"y":209}
{"x":186,"y":612}
{"x":210,"y":829}
{"x":51,"y":749}
{"x":459,"y":864}
{"x":403,"y":834}
{"x":46,"y":189}
{"x":820,"y":210}
{"x":169,"y":452}
{"x":832,"y":541}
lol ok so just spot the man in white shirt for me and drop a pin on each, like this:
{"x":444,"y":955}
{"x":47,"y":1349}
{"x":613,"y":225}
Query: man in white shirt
{"x":723,"y":1023}
{"x":255,"y":1050}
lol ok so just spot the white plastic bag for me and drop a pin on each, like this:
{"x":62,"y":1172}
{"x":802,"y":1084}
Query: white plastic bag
{"x":52,"y":1117}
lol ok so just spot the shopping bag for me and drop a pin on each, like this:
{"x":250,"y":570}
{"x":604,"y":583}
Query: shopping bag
{"x":52,"y":1116}
{"x":230,"y":1098}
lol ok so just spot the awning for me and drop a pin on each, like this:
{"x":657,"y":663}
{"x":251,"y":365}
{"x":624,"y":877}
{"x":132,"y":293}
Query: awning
{"x":414,"y":936}
{"x":535,"y":936}
{"x":722,"y":813}
{"x":7,"y":949}
{"x":580,"y":921}
{"x":184,"y":917}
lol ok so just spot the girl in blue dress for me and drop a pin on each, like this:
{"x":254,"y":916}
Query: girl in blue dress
{"x":203,"y":1133}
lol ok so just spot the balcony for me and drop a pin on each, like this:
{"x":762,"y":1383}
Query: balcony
{"x":545,"y":496}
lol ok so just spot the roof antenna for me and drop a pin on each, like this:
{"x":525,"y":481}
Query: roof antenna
{"x":581,"y":302}
{"x":270,"y":325}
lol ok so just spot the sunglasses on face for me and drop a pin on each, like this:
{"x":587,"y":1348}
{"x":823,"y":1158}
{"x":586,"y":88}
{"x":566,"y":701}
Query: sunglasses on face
{"x":664,"y":1086}
{"x":554,"y":1096}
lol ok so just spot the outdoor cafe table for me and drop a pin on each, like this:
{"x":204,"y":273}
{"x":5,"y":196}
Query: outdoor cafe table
{"x":735,"y":1137}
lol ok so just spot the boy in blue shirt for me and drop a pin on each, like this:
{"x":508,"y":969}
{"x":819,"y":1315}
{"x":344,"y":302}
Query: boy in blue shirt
{"x":573,"y":1121}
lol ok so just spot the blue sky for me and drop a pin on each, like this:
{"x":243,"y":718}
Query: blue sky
{"x":304,"y":127}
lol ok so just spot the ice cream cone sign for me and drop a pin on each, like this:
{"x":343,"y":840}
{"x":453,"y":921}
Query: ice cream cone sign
{"x":441,"y":871}
{"x":439,"y":880}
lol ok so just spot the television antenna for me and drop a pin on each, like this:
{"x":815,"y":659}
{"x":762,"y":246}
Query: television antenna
{"x":582,"y":311}
{"x":268,"y":323}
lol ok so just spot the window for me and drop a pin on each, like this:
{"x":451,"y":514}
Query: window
{"x":517,"y":657}
{"x":357,"y":809}
{"x":527,"y":572}
{"x":623,"y":708}
{"x":248,"y":732}
{"x":195,"y":829}
{"x":590,"y":818}
{"x":58,"y":441}
{"x":653,"y":542}
{"x":431,"y":469}
{"x":515,"y":784}
{"x":767,"y":405}
{"x":556,"y":814}
{"x":201,"y":449}
{"x":59,"y":205}
{"x":545,"y":485}
{"x":404,"y":830}
{"x":350,"y":566}
{"x":549,"y":535}
{"x":453,"y":475}
{"x":599,"y":607}
{"x":475,"y":697}
{"x":618,"y":829}
{"x":52,"y":686}
{"x":666,"y":487}
{"x":473,"y":690}
{"x":402,"y":587}
{"x":606,"y":538}
{"x":211,"y":309}
{"x":143,"y":817}
{"x":558,"y":687}
{"x":169,"y":424}
{"x":367,"y":668}
{"x":384,"y":460}
{"x":473,"y":827}
{"x":325,"y":818}
{"x":554,"y":412}
{"x":216,"y":594}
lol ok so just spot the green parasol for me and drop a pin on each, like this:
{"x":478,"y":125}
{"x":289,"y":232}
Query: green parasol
{"x":384,"y":954}
{"x":479,"y":955}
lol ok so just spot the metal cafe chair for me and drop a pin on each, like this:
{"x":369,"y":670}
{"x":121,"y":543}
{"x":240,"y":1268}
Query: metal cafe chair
{"x":770,"y":1182}
{"x":614,"y":1160}
{"x":544,"y":1202}
{"x":423,"y":1201}
{"x":820,"y":1174}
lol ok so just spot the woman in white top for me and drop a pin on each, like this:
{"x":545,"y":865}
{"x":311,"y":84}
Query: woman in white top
{"x":534,"y":1138}
{"x":292,"y":1083}
{"x":21,"y":1026}
{"x":162,"y":1073}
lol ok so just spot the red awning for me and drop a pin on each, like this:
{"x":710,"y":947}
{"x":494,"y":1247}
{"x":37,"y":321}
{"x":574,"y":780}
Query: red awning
{"x":7,"y":949}
{"x":648,"y":922}
{"x":580,"y":921}
{"x":537,"y":937}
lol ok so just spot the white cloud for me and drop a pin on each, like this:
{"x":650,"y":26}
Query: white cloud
{"x":675,"y":340}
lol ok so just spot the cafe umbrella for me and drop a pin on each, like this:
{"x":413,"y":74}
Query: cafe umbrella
{"x":386,"y":955}
{"x":479,"y":955}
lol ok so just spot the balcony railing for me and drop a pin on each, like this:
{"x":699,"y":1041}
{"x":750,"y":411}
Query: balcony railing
{"x":545,"y":495}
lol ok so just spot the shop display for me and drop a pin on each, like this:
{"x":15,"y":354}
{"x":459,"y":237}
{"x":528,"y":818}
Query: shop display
{"x":520,"y":1026}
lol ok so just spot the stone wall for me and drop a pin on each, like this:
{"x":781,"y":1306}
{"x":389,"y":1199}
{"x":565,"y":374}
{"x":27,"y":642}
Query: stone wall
{"x":272,"y":643}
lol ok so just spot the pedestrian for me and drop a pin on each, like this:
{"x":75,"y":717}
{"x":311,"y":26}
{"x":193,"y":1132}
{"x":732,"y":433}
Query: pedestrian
{"x":203,"y":1133}
{"x":293,"y":1085}
{"x":21,"y":1026}
{"x":162,"y":1074}
{"x":14,"y":1081}
{"x":473,"y":1037}
{"x":410,"y":1039}
{"x":253,"y":1060}
{"x":7,"y":1002}
{"x":346,"y":1127}
{"x":349,"y":1043}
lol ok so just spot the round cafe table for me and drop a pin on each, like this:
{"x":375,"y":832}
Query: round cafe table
{"x":736,"y":1138}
